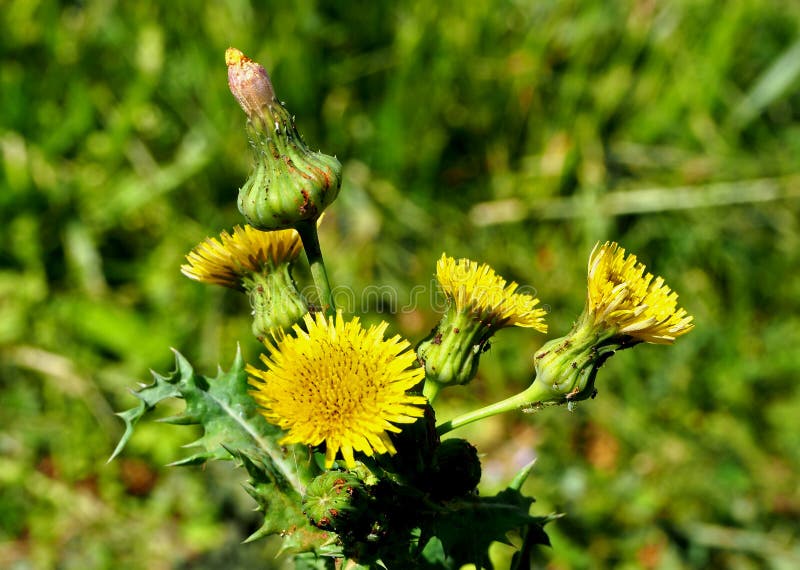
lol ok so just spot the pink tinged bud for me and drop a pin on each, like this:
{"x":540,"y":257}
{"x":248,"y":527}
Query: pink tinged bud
{"x":249,"y":83}
{"x":289,"y":183}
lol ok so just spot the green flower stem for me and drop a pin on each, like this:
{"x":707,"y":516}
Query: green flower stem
{"x":537,"y":393}
{"x":566,"y":369}
{"x":430,"y":390}
{"x":310,"y":239}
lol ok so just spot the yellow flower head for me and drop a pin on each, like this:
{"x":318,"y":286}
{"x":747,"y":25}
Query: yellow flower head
{"x":227,"y":260}
{"x":622,"y":295}
{"x":340,"y":384}
{"x":477,"y":289}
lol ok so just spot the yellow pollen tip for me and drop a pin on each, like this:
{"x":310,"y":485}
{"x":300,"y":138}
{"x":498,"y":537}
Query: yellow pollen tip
{"x":477,"y":289}
{"x":234,"y":56}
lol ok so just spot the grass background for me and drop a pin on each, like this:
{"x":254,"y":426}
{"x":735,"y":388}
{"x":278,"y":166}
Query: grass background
{"x":516,"y":133}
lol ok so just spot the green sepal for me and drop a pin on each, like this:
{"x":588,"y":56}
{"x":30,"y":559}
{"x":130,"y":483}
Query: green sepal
{"x":451,"y":353}
{"x":289,"y":182}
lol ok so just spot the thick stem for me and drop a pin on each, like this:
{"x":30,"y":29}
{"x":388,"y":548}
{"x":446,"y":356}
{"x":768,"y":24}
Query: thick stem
{"x":310,"y":239}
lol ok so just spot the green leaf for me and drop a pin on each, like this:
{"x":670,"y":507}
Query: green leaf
{"x":433,"y":555}
{"x":229,"y":417}
{"x":467,"y":527}
{"x":282,"y":507}
{"x":310,"y":561}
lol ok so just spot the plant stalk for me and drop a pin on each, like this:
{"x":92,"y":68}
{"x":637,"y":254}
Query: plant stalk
{"x":535,"y":394}
{"x":310,"y":239}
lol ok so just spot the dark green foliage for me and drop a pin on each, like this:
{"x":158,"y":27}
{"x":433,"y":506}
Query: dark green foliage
{"x":467,"y":527}
{"x":335,"y":514}
{"x":233,"y":428}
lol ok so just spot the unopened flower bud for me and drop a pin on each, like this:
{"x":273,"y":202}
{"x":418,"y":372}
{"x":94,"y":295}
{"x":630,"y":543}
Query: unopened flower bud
{"x":289,"y":183}
{"x":456,"y":469}
{"x":275,"y":300}
{"x":566,"y":367}
{"x":334,"y":499}
{"x":452,"y":351}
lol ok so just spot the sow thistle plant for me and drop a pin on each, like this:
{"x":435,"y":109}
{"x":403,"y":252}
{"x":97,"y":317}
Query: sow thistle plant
{"x":336,"y":426}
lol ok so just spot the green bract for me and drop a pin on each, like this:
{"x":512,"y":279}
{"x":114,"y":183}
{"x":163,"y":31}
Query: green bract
{"x":334,"y":500}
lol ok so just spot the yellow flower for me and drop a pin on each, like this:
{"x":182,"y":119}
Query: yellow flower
{"x":233,"y":257}
{"x":477,"y":289}
{"x":340,"y":384}
{"x":621,"y":295}
{"x":480,"y":302}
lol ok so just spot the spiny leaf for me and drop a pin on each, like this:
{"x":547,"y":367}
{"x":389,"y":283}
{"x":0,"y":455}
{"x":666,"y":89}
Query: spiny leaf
{"x":521,"y":476}
{"x":281,"y":505}
{"x":163,"y":387}
{"x":228,"y":414}
{"x":534,"y":535}
{"x":310,"y":561}
{"x":466,"y":528}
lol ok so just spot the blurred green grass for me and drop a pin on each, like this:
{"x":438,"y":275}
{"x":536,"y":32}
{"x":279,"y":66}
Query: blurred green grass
{"x":516,"y":133}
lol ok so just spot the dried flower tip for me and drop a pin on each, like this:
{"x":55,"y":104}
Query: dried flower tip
{"x":249,"y":83}
{"x":231,"y":258}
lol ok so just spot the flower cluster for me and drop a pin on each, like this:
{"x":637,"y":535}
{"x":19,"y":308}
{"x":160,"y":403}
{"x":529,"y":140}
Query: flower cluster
{"x":337,"y":428}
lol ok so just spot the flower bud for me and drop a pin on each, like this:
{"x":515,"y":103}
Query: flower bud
{"x":275,"y":300}
{"x":289,"y":182}
{"x":566,"y":367}
{"x":456,"y":469}
{"x":334,"y":499}
{"x":451,"y":353}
